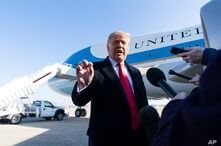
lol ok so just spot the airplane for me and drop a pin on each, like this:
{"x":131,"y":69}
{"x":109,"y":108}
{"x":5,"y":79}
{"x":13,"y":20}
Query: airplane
{"x":145,"y":52}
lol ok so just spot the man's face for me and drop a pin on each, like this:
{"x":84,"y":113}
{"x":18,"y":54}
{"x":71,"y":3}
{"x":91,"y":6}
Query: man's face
{"x":118,"y":47}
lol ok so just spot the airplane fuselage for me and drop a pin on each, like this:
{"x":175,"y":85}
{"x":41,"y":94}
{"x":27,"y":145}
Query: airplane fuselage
{"x":145,"y":52}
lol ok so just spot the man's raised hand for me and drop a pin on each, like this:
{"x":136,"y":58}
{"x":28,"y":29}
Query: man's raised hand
{"x":85,"y":73}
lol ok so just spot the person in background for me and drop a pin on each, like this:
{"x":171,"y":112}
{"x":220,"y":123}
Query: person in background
{"x":198,"y":55}
{"x":194,"y":120}
{"x":195,"y":80}
{"x":117,"y":94}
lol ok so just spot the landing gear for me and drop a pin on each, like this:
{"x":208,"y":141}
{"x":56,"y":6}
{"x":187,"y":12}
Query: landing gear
{"x":80,"y":112}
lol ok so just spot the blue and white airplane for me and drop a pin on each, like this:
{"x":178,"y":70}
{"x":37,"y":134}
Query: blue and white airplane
{"x":145,"y":52}
{"x":154,"y":51}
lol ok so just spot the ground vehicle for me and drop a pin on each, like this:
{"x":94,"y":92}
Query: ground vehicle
{"x":39,"y":108}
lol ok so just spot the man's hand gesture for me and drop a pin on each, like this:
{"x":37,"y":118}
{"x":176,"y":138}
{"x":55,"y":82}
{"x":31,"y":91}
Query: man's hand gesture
{"x":85,"y":73}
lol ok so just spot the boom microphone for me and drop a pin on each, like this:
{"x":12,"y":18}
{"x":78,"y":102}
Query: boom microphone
{"x":171,"y":72}
{"x":157,"y":78}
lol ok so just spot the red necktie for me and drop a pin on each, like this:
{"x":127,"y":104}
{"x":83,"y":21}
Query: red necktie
{"x":130,"y":97}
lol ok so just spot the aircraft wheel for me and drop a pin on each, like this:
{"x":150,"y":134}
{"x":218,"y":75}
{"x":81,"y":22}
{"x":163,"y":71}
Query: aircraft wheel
{"x":78,"y":112}
{"x":83,"y":112}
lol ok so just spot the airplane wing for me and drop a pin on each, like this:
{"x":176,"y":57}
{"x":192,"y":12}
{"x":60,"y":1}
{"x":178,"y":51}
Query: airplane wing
{"x":146,"y":51}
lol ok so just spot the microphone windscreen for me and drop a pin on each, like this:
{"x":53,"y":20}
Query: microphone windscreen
{"x":154,"y":75}
{"x":150,"y":119}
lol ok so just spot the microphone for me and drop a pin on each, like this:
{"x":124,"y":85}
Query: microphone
{"x":150,"y":119}
{"x":157,"y":78}
{"x":171,"y":72}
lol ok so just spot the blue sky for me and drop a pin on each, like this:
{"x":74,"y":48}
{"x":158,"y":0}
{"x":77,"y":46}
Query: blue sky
{"x":36,"y":33}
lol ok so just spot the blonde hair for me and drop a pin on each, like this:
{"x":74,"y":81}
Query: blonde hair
{"x":118,"y":33}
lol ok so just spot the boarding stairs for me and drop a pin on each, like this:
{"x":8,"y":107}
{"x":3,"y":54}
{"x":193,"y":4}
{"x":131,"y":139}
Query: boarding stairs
{"x":13,"y":91}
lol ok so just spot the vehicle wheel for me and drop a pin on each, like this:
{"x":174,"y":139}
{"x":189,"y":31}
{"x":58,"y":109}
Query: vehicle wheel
{"x":16,"y":119}
{"x":59,"y":116}
{"x":48,"y":118}
{"x":83,"y":112}
{"x":78,"y":112}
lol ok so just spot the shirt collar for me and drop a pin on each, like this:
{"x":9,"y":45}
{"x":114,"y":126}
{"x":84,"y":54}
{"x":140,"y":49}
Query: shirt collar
{"x":114,"y":63}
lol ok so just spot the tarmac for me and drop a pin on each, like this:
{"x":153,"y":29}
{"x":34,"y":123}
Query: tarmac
{"x":70,"y":131}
